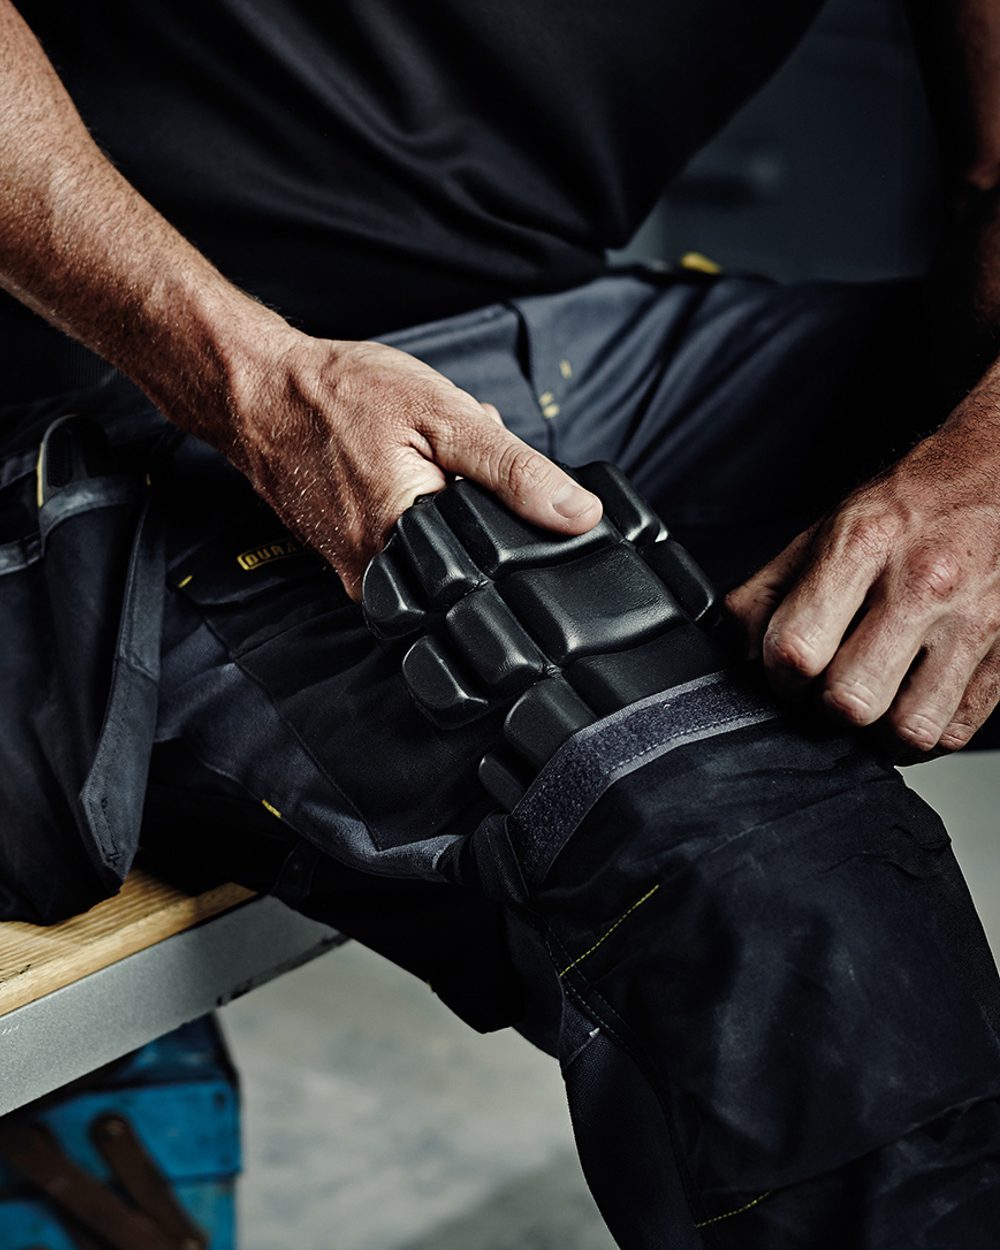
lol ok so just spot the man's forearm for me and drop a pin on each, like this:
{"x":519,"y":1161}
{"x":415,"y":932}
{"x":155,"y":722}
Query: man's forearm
{"x":81,"y":247}
{"x":889,"y":607}
{"x":338,"y":437}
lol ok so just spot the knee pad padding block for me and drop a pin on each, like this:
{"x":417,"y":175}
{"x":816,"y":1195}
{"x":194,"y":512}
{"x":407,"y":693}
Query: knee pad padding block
{"x":559,"y":630}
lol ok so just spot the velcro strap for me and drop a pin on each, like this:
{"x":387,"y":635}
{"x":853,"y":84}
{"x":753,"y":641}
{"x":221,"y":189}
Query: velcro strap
{"x":591,"y":761}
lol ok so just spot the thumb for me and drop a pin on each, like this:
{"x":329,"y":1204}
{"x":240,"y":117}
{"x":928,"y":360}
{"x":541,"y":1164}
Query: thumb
{"x":528,"y":482}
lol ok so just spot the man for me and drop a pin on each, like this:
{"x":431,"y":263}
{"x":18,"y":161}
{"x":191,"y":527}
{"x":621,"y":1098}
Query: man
{"x":449,"y":182}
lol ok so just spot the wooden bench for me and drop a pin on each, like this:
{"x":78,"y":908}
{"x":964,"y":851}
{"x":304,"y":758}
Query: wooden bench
{"x":85,"y":992}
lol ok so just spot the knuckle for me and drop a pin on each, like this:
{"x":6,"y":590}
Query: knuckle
{"x":870,"y":534}
{"x":738,"y":602}
{"x":987,"y":624}
{"x":788,"y":650}
{"x":933,"y":575}
{"x":853,"y":700}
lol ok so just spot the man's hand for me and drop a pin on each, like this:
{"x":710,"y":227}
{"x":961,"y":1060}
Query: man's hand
{"x":338,"y":437}
{"x":341,"y":437}
{"x":890,"y":607}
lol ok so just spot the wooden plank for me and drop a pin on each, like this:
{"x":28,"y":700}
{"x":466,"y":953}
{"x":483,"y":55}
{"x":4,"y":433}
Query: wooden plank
{"x":35,"y":960}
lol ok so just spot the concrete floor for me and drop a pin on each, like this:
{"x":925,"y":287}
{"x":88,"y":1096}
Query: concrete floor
{"x":376,"y":1121}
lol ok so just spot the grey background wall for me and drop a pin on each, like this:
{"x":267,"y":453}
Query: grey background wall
{"x":828,"y":172}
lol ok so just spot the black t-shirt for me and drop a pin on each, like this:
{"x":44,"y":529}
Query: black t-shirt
{"x":367,"y":164}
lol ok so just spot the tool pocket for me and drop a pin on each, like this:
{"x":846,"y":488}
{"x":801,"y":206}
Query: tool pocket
{"x":251,"y":581}
{"x":81,"y":579}
{"x":327,"y":721}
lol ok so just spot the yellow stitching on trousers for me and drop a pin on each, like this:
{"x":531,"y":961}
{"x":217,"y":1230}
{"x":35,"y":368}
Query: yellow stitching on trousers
{"x":184,"y":582}
{"x":624,"y":916}
{"x":738,"y":1211}
{"x":271,"y":808}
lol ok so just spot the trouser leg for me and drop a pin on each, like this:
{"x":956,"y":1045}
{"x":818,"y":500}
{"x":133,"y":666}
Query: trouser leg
{"x":755,"y":959}
{"x":747,"y":942}
{"x":745,"y":954}
{"x":757,"y":951}
{"x":785,"y":985}
{"x":740,"y":1045}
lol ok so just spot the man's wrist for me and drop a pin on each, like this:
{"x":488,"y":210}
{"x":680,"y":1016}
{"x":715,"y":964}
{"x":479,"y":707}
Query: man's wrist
{"x":977,"y":417}
{"x":202,"y":354}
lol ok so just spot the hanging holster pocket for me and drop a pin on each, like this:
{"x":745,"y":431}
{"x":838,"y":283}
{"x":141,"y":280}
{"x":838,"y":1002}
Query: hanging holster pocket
{"x":80,"y":614}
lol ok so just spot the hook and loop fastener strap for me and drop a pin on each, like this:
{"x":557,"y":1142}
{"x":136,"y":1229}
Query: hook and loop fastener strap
{"x":596,"y":757}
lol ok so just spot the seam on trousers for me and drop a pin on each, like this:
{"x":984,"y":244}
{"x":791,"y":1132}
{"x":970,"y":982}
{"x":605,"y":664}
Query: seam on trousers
{"x":524,"y":358}
{"x":608,"y":932}
{"x":552,"y":945}
{"x":592,"y":1002}
{"x":323,"y":771}
{"x":18,"y":554}
{"x":382,"y":862}
{"x":572,"y":1057}
{"x":691,"y":1191}
{"x":736,"y":1210}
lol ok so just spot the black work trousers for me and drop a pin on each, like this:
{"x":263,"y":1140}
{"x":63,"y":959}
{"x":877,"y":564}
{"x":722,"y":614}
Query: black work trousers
{"x":747,"y":942}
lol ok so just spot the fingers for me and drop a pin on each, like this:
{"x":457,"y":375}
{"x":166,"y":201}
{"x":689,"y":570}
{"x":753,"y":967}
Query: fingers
{"x":917,"y":609}
{"x":863,"y":679}
{"x":483,"y":450}
{"x":808,"y":626}
{"x":752,"y":604}
{"x":928,"y":700}
{"x":411,"y":476}
{"x":524,"y":479}
{"x":886,"y":640}
{"x":875,"y":641}
{"x":948,"y":698}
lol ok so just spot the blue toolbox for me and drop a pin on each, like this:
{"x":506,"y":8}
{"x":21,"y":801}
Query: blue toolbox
{"x":142,"y":1155}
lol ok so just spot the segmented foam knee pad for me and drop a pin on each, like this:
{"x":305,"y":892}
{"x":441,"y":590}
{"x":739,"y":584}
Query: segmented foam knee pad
{"x":560,"y":630}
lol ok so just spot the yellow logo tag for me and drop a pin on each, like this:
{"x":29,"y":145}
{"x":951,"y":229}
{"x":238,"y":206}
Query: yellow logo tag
{"x":268,"y":552}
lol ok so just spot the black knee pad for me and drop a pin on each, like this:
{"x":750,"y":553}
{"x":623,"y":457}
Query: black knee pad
{"x":559,"y":630}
